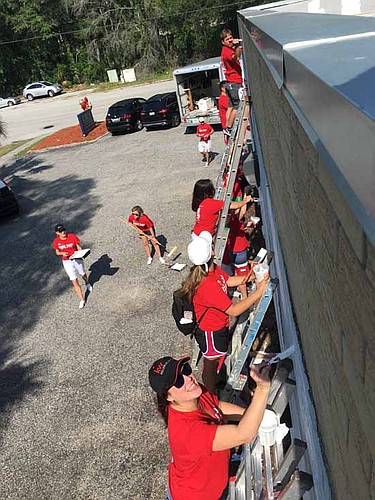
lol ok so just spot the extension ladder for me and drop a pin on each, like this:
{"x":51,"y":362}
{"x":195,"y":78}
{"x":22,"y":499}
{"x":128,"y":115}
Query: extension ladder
{"x":255,"y":479}
{"x":225,"y":184}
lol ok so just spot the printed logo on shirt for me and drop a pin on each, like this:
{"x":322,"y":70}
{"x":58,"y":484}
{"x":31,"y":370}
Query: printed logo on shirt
{"x":221,"y":282}
{"x":64,"y":246}
{"x":198,"y":216}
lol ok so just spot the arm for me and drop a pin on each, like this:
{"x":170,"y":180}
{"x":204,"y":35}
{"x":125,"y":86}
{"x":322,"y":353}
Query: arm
{"x":59,"y":253}
{"x":231,"y":411}
{"x":238,"y":204}
{"x":229,"y":436}
{"x":237,"y":50}
{"x":243,"y":305}
{"x":235,"y":281}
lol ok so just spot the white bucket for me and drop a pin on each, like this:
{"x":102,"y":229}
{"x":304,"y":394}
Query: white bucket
{"x":260,"y":270}
{"x":267,"y":428}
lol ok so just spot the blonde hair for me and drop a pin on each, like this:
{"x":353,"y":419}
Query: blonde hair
{"x":191,"y":283}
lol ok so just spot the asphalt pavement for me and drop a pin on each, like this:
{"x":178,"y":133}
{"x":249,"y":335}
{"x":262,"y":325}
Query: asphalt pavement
{"x":30,"y":120}
{"x":77,"y":420}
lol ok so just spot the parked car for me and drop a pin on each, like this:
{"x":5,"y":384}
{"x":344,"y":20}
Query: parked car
{"x":41,"y":89}
{"x":124,"y":116}
{"x":8,"y":200}
{"x":161,"y":110}
{"x":9,"y":101}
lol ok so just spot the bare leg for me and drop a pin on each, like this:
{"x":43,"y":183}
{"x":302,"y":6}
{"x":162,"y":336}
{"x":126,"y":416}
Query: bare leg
{"x":77,"y":289}
{"x":156,"y":246}
{"x":231,"y":117}
{"x":146,"y":246}
{"x":227,"y":116}
{"x":209,"y":375}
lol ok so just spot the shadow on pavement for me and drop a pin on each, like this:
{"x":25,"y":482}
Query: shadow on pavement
{"x":102,"y":267}
{"x":30,"y":277}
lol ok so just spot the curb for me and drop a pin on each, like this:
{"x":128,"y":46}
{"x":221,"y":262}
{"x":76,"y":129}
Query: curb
{"x":65,"y":145}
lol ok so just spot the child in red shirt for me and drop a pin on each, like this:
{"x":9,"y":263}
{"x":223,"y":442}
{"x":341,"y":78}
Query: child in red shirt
{"x":146,"y":228}
{"x":204,"y":132}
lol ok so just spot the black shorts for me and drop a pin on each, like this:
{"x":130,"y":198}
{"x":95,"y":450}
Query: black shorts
{"x":233,"y":95}
{"x":212,"y":344}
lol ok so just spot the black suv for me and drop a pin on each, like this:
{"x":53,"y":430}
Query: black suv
{"x":125,"y":115}
{"x":8,"y":202}
{"x":161,"y":110}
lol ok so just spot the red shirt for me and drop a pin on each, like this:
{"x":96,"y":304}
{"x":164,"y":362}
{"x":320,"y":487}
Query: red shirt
{"x":212,"y":292}
{"x":232,"y":67}
{"x":223,"y":106}
{"x":68,"y":245}
{"x":237,"y":241}
{"x":195,"y":471}
{"x":143,"y":222}
{"x":204,"y":130}
{"x":207,"y":215}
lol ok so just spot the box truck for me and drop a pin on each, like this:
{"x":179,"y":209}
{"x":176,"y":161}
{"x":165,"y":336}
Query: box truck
{"x":198,"y":90}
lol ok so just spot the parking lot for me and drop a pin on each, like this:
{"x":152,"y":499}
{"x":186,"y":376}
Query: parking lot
{"x":42,"y":116}
{"x":77,"y":418}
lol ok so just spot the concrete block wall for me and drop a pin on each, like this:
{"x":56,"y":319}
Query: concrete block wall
{"x":331,"y":272}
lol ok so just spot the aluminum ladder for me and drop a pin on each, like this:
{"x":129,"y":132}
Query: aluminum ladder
{"x":229,"y":162}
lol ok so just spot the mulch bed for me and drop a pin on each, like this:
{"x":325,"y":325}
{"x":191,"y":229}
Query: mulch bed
{"x":70,"y":135}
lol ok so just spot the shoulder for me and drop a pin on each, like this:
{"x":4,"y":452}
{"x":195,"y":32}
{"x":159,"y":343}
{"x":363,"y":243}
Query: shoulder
{"x":55,"y":242}
{"x":227,"y":52}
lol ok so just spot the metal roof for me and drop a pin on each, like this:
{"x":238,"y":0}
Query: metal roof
{"x":326,"y":64}
{"x":206,"y":65}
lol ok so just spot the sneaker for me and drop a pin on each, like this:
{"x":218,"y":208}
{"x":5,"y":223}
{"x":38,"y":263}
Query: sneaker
{"x":207,"y":164}
{"x":149,"y":261}
{"x":162,"y":260}
{"x":82,"y":304}
{"x":89,"y":287}
{"x":227,"y":131}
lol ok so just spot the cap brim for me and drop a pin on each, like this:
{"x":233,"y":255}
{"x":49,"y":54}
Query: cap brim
{"x":179,"y":363}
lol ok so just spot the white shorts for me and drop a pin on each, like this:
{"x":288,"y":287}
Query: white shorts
{"x":204,"y":147}
{"x":73,"y":268}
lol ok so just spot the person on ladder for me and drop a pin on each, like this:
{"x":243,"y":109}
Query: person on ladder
{"x":200,"y":438}
{"x":206,"y":287}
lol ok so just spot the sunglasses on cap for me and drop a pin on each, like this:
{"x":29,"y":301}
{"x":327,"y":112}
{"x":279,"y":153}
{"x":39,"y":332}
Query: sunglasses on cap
{"x":185,"y":370}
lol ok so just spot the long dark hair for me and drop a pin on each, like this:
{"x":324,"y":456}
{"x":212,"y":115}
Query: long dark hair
{"x":138,"y":209}
{"x":163,"y":405}
{"x":202,"y":189}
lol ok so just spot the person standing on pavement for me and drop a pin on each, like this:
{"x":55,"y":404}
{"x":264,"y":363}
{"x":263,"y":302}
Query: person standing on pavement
{"x":204,"y":132}
{"x":146,"y":231}
{"x":65,"y":244}
{"x":230,"y":58}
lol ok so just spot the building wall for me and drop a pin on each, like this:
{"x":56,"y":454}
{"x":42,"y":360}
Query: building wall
{"x":331,"y":273}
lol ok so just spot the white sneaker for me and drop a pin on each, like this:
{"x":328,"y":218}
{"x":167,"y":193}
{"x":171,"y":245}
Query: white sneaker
{"x":162,"y":260}
{"x":89,"y":287}
{"x":149,"y":261}
{"x":81,"y":304}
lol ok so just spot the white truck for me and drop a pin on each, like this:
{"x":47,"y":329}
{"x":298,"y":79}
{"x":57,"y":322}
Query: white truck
{"x":198,"y":90}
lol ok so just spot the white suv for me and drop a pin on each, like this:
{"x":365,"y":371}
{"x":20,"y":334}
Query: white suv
{"x":41,"y":89}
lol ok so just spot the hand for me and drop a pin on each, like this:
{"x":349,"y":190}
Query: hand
{"x":261,"y":375}
{"x":248,"y":199}
{"x":261,"y":286}
{"x":65,"y":254}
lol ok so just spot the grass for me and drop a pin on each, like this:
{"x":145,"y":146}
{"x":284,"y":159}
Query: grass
{"x":9,"y":147}
{"x":103,"y":86}
{"x":24,"y":151}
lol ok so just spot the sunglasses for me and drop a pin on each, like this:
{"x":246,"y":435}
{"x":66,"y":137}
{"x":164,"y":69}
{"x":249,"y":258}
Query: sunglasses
{"x":135,"y":213}
{"x":60,"y":230}
{"x":185,"y":370}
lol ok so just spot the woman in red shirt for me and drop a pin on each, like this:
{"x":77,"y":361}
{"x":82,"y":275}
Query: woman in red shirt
{"x":145,"y":227}
{"x":199,"y":437}
{"x":207,"y":208}
{"x":206,"y":287}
